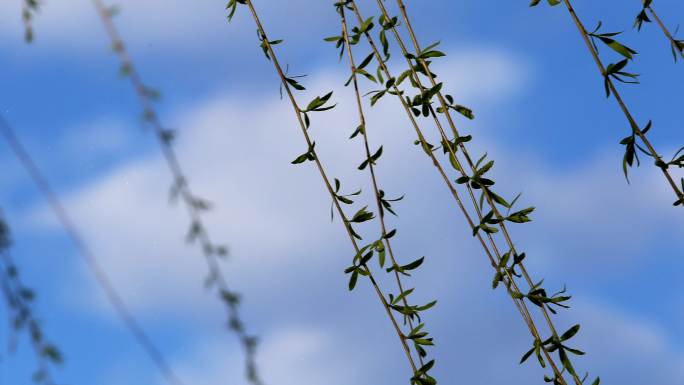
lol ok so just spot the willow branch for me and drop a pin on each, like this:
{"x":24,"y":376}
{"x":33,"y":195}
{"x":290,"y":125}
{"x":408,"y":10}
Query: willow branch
{"x":181,"y":188}
{"x":298,"y":112}
{"x":28,"y":10}
{"x":451,"y":122}
{"x":371,"y":166}
{"x":20,"y":303}
{"x":662,"y":165}
{"x":494,"y":259}
{"x":511,"y":282}
{"x":677,"y":45}
{"x":86,"y":254}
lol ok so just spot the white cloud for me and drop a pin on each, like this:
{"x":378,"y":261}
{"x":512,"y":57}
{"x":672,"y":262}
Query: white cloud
{"x":288,"y":356}
{"x":238,"y":155}
{"x":72,"y":22}
{"x":615,"y":337}
{"x":275,"y":218}
{"x":484,"y":75}
{"x":96,"y":139}
{"x":199,"y":25}
{"x":592,"y":201}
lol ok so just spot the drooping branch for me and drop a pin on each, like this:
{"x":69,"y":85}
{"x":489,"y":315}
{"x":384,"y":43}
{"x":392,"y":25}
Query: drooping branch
{"x":422,"y":104}
{"x":198,"y":232}
{"x":676,"y":45}
{"x":637,"y":141}
{"x":493,"y":200}
{"x":28,"y":11}
{"x":87,"y":255}
{"x":20,"y":301}
{"x":363,"y":254}
{"x":383,"y":203}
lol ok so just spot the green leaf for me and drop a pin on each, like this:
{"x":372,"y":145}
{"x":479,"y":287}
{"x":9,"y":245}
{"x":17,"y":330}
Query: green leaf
{"x":292,"y":82}
{"x":465,"y":111}
{"x":565,"y":361}
{"x":426,"y":307}
{"x":527,"y":355}
{"x":362,"y":215}
{"x":353,"y":279}
{"x":521,"y":216}
{"x":359,"y":130}
{"x":570,"y":333}
{"x":414,"y":265}
{"x":401,"y":296}
{"x":429,"y":52}
{"x":318,"y":102}
{"x":619,"y":48}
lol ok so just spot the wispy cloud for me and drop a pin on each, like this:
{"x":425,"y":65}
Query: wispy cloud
{"x":74,"y":26}
{"x":275,"y":218}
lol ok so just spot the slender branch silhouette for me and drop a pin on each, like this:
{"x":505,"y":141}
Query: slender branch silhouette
{"x":20,"y":303}
{"x":382,"y":204}
{"x":195,"y":205}
{"x":28,"y":11}
{"x":497,"y":260}
{"x":446,"y":111}
{"x":676,"y":45}
{"x":616,"y":71}
{"x":363,"y":254}
{"x":86,"y":254}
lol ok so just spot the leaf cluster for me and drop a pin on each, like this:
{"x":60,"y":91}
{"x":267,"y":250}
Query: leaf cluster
{"x":20,"y":300}
{"x":617,"y":72}
{"x":421,"y":105}
{"x":29,"y":9}
{"x":676,"y":45}
{"x":180,"y":190}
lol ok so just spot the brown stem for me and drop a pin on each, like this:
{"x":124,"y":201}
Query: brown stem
{"x":371,"y":167}
{"x":328,"y":185}
{"x":87,"y":254}
{"x":667,"y":33}
{"x":511,"y":285}
{"x":19,"y":307}
{"x":188,"y":198}
{"x":623,"y":106}
{"x":463,"y":148}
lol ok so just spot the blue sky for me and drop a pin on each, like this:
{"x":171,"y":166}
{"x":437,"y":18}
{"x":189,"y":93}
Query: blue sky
{"x":541,"y":114}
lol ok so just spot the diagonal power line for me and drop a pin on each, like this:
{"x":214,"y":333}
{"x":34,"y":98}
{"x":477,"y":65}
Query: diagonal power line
{"x":87,"y":254}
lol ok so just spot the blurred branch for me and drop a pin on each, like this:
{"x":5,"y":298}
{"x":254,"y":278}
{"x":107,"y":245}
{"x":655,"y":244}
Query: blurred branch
{"x":86,"y":253}
{"x":20,"y":302}
{"x":180,"y":189}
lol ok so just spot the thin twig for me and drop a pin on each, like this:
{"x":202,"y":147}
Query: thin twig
{"x":662,"y":165}
{"x":326,"y":181}
{"x":371,"y":166}
{"x":463,"y":148}
{"x":28,"y":11}
{"x":677,"y":46}
{"x":20,"y":302}
{"x":493,"y":259}
{"x":86,"y":254}
{"x":181,"y":188}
